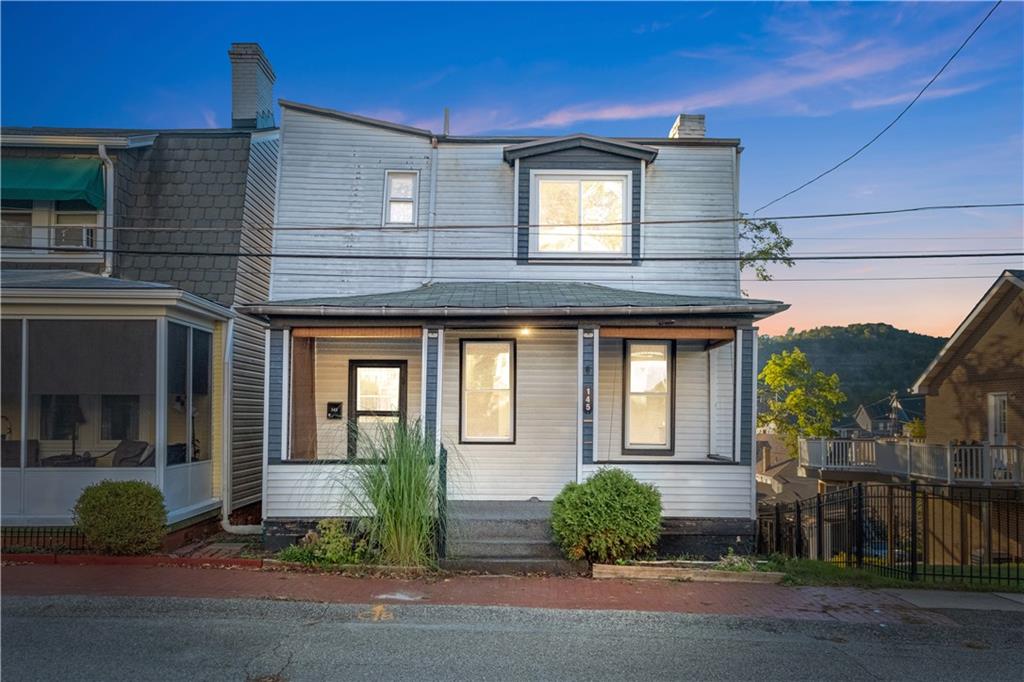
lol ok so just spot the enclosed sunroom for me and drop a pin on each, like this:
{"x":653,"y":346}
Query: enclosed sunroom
{"x":108,"y":379}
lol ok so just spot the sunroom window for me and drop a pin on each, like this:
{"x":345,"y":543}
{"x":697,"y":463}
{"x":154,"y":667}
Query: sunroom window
{"x":488,"y":391}
{"x":17,"y":223}
{"x":580,"y":214}
{"x":648,"y":400}
{"x":400,"y":198}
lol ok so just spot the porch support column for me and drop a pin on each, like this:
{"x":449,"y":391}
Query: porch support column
{"x":275,"y":392}
{"x":587,"y":411}
{"x":433,"y":345}
{"x":746,"y":362}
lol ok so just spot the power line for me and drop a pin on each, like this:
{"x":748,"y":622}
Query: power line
{"x":894,"y":121}
{"x":391,"y":229}
{"x":556,"y":260}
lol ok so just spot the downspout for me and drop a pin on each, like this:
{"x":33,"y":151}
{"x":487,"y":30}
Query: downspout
{"x":431,"y":209}
{"x":225,"y":514}
{"x":108,"y":213}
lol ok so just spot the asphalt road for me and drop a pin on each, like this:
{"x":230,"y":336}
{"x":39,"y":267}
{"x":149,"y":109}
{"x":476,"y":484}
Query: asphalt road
{"x":114,"y":638}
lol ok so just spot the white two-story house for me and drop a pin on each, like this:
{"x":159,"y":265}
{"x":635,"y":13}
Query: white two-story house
{"x":545,"y":306}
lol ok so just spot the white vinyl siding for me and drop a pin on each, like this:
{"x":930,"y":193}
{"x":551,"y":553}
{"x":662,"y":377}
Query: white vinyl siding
{"x":333,"y":173}
{"x":695,"y":490}
{"x":702,"y":426}
{"x":543,"y":457}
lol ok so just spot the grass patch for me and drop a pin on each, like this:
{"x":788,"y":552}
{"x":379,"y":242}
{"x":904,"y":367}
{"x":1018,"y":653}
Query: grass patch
{"x":807,"y":572}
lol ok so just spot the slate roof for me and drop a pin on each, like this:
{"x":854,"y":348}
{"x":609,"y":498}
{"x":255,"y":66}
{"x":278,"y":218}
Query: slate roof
{"x":495,"y":296}
{"x":69,"y":279}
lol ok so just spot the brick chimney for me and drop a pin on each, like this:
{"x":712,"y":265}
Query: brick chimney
{"x":687,"y":125}
{"x":252,"y":87}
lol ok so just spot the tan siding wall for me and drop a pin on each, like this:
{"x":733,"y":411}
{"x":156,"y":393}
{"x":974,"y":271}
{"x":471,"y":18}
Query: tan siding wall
{"x":994,"y":364}
{"x":543,"y":458}
{"x":310,"y":491}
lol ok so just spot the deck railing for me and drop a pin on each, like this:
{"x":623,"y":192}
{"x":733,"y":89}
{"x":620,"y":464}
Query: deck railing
{"x":984,"y":464}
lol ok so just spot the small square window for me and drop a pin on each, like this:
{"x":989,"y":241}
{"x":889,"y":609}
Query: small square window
{"x":400,"y":190}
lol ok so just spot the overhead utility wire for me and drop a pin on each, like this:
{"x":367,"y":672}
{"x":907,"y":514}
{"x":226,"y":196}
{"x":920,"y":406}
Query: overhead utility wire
{"x":884,"y":130}
{"x":667,"y":223}
{"x":414,"y":257}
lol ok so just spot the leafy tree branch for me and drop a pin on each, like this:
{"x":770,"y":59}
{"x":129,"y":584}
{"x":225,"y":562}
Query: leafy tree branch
{"x":768,"y":246}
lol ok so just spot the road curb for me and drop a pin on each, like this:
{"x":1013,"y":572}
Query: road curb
{"x":103,"y":560}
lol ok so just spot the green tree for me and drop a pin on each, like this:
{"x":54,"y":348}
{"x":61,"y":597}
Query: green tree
{"x":796,"y":399}
{"x":767,"y":245}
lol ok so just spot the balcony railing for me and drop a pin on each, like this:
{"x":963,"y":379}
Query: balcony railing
{"x":985,"y":463}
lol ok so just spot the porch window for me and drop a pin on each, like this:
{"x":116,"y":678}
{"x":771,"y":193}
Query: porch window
{"x":649,"y":384}
{"x":488,"y":391}
{"x":580,"y":214}
{"x":377,"y":395}
{"x":74,"y":225}
{"x":400,"y":198}
{"x":189,"y":403}
{"x":10,"y":393}
{"x":91,"y":394}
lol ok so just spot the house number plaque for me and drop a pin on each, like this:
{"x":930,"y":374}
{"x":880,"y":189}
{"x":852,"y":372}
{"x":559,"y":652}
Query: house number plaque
{"x":588,"y":399}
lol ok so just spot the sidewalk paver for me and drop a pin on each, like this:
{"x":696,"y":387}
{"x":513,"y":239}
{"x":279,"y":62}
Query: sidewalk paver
{"x":945,"y":599}
{"x":825,"y":604}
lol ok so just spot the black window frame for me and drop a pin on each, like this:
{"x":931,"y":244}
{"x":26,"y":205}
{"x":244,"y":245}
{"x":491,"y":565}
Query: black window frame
{"x":669,"y":451}
{"x":353,"y":387}
{"x":513,"y":389}
{"x":108,"y":406}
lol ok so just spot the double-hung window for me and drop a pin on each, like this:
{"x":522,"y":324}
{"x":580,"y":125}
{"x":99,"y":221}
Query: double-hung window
{"x":377,"y":394}
{"x":400,"y":190}
{"x":580,"y":214}
{"x":488,"y":391}
{"x":17,"y":223}
{"x":649,"y":383}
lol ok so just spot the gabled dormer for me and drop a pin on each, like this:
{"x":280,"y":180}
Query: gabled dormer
{"x":578,"y":198}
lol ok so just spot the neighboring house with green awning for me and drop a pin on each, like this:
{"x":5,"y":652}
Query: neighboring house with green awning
{"x":104,"y":225}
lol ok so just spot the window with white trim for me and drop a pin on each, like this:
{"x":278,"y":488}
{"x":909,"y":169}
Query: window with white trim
{"x":648,"y":383}
{"x":400,"y":191}
{"x":488,"y":391}
{"x":17,"y":223}
{"x":580,"y":214}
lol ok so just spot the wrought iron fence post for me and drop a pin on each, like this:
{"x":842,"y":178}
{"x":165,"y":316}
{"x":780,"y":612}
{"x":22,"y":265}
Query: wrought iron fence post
{"x":913,"y":531}
{"x":819,"y":522}
{"x":858,"y":532}
{"x":798,"y":529}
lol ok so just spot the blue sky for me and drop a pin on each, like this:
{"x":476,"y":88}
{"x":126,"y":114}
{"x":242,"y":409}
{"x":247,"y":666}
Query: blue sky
{"x":802,"y":84}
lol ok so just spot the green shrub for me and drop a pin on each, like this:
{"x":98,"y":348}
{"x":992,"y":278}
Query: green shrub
{"x":299,"y":554}
{"x":731,"y":561}
{"x":122,"y":517}
{"x":329,"y":545}
{"x":611,"y":517}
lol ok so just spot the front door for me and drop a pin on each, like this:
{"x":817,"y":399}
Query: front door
{"x":376,"y":398}
{"x":997,"y":405}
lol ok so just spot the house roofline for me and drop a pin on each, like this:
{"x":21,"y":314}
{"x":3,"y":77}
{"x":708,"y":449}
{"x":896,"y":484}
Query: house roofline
{"x":1007,"y":278}
{"x":502,"y":139}
{"x":162,"y":296}
{"x":757,"y":310}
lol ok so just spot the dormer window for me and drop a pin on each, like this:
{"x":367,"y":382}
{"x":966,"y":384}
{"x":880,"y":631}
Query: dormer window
{"x":580,"y":213}
{"x":400,"y":190}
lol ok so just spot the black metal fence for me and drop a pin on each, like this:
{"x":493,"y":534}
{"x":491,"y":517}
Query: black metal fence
{"x":57,"y":538}
{"x":908,"y":531}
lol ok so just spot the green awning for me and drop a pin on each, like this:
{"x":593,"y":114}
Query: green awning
{"x":53,"y":179}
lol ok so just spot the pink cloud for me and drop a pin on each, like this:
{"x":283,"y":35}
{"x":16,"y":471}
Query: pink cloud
{"x":905,"y":97}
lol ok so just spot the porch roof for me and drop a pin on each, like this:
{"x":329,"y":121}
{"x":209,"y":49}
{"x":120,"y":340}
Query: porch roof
{"x":69,"y":287}
{"x":444,"y":299}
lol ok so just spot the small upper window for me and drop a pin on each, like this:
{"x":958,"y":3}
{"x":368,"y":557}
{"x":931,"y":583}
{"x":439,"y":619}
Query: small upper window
{"x":580,"y":215}
{"x":75,"y":225}
{"x":400,"y":198}
{"x":17,"y":223}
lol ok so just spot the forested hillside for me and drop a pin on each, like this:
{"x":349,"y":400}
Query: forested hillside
{"x":870,"y":359}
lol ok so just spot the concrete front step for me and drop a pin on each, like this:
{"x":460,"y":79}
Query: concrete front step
{"x":489,"y":548}
{"x":515,"y":566}
{"x":461,"y":528}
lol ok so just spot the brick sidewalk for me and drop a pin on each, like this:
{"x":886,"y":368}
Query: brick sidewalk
{"x":849,"y":605}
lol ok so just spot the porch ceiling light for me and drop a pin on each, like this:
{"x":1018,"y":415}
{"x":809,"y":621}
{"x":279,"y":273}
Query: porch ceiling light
{"x":524,"y":331}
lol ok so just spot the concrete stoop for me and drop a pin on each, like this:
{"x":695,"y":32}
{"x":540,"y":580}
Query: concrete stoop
{"x":504,"y":538}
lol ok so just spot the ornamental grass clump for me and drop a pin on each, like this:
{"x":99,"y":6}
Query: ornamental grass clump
{"x":396,"y":488}
{"x":122,"y":517}
{"x":609,"y":518}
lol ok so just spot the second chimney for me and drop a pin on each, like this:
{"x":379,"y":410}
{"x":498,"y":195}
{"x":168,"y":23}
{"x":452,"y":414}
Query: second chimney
{"x":688,"y":125}
{"x":252,"y":87}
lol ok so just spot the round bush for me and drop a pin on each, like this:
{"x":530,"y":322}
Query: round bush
{"x":122,"y":517}
{"x":608,"y":518}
